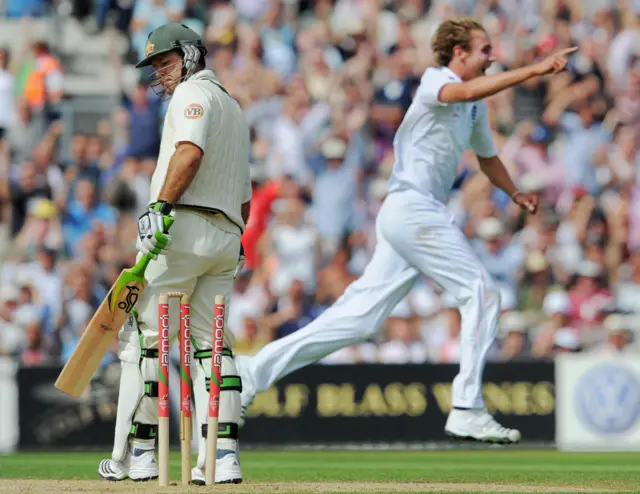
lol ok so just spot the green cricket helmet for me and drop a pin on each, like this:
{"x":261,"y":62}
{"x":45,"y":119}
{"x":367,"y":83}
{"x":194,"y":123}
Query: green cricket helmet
{"x":177,"y":38}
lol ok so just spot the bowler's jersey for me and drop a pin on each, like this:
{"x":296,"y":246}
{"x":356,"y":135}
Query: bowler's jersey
{"x":433,"y":135}
{"x":201,"y":112}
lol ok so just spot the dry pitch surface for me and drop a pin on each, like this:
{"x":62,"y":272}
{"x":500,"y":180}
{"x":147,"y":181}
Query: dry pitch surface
{"x":348,"y":472}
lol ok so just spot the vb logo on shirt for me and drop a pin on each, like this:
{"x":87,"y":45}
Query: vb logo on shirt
{"x":193,"y":111}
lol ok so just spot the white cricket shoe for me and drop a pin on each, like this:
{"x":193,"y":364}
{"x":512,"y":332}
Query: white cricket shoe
{"x":143,"y":465}
{"x":478,"y":425}
{"x":248,"y":390}
{"x":114,"y":470}
{"x":139,"y":466}
{"x":227,"y":469}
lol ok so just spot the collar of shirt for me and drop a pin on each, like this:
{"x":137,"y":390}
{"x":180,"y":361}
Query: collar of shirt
{"x":204,"y":74}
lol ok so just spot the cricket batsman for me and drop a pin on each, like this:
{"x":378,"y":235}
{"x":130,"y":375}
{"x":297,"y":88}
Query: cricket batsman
{"x":202,"y":179}
{"x":416,"y":233}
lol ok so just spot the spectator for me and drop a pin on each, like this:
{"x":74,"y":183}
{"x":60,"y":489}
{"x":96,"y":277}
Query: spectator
{"x":12,"y":339}
{"x":150,"y":14}
{"x":619,"y":335}
{"x":24,"y":132}
{"x":83,"y":212}
{"x":43,"y":88}
{"x":324,"y":86}
{"x":403,"y":345}
{"x":290,"y":312}
{"x":28,"y":188}
{"x":513,"y":336}
{"x":7,"y":94}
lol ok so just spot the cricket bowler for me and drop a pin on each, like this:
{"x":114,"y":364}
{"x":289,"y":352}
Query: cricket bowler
{"x":416,"y":233}
{"x":202,"y":179}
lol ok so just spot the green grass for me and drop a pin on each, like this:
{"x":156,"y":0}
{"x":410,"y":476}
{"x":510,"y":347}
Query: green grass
{"x":618,"y":471}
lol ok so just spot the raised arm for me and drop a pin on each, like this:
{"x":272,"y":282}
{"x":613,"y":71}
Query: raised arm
{"x":488,"y":85}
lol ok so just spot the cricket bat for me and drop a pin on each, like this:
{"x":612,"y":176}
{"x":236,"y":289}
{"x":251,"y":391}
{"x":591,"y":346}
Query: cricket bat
{"x":103,"y":328}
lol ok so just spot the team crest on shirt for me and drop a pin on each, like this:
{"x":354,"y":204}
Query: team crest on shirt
{"x":193,"y":111}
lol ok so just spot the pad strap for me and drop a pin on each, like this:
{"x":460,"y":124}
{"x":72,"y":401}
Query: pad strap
{"x":200,"y":354}
{"x":143,"y":431}
{"x":151,"y":389}
{"x":149,"y":353}
{"x":229,"y":383}
{"x":225,"y":430}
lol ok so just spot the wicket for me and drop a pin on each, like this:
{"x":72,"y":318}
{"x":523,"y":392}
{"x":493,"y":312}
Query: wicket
{"x":184,"y":340}
{"x":214,"y":389}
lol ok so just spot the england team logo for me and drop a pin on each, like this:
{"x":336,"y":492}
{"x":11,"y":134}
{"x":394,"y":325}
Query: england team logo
{"x":607,"y":399}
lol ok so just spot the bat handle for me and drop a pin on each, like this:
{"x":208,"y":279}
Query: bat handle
{"x":141,"y":266}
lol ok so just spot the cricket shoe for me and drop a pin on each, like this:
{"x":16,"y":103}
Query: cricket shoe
{"x":139,"y":466}
{"x":114,"y":470}
{"x":478,"y":425}
{"x":227,"y":469}
{"x":248,"y":389}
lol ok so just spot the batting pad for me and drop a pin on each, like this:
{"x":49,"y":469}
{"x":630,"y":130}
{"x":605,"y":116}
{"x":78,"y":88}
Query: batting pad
{"x":229,"y":403}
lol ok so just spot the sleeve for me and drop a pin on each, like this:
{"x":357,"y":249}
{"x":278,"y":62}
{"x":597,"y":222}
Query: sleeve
{"x":191,"y":114}
{"x":481,"y":137}
{"x":433,"y":80}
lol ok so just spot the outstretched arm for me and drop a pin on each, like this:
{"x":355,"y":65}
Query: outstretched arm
{"x":488,"y":85}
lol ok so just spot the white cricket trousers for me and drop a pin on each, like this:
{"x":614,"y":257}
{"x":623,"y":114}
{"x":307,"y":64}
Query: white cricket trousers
{"x":415,"y":234}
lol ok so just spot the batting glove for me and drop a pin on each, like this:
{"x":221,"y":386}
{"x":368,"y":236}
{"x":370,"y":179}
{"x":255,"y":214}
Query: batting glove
{"x":152,"y":235}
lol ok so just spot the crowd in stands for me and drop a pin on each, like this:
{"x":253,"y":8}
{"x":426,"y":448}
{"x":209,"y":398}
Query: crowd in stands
{"x":324,"y":85}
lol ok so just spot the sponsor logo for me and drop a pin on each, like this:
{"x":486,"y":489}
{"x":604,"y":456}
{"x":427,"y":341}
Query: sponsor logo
{"x":149,"y":48}
{"x":164,"y":401}
{"x":214,"y":404}
{"x":186,"y":404}
{"x":106,"y":328}
{"x":133,"y":292}
{"x":607,"y":399}
{"x":164,"y":340}
{"x":218,"y":343}
{"x":193,"y":111}
{"x":186,"y":337}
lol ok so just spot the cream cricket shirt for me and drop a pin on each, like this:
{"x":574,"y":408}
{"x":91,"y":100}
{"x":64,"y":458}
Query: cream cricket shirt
{"x":433,"y":135}
{"x":202,"y":113}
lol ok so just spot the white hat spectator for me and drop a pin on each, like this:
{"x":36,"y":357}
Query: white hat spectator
{"x":588,"y":269}
{"x":379,"y":188}
{"x":532,"y":182}
{"x":556,"y":303}
{"x":536,"y":262}
{"x":513,"y":322}
{"x":334,"y":149}
{"x":9,"y":293}
{"x":566,"y":338}
{"x":616,"y":322}
{"x":490,"y":228}
{"x":26,"y":315}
